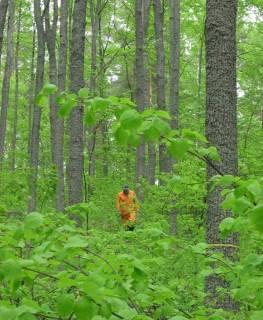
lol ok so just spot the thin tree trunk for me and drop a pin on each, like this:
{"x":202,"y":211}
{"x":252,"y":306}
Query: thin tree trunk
{"x":7,"y":76}
{"x":174,"y":80}
{"x":3,"y":12}
{"x":221,"y":124}
{"x":174,"y":61}
{"x":55,"y":123}
{"x":13,"y":144}
{"x":31,"y":89}
{"x":35,"y":131}
{"x":141,"y":85}
{"x":94,"y":30}
{"x":62,"y":76}
{"x":75,"y":164}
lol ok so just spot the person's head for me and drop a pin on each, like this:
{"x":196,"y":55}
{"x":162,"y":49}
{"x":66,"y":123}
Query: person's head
{"x":126,"y":189}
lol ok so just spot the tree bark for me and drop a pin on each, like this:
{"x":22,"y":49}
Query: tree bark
{"x":3,"y":12}
{"x":35,"y":130}
{"x":174,"y":61}
{"x":160,"y":74}
{"x":94,"y":30}
{"x":75,"y":164}
{"x":174,"y":82}
{"x":31,"y":89}
{"x":141,"y":83}
{"x":221,"y":123}
{"x":13,"y":144}
{"x":7,"y":76}
{"x":62,"y":76}
{"x":55,"y":122}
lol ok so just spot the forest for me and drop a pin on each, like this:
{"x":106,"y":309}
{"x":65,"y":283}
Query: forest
{"x":131,"y":147}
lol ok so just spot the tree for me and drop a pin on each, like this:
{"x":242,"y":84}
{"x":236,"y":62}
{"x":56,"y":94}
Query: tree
{"x":57,"y":130}
{"x":3,"y":11}
{"x":14,"y":138}
{"x":75,"y":164}
{"x":62,"y":76}
{"x":174,"y":78}
{"x":141,"y":83}
{"x":221,"y":119}
{"x":35,"y":130}
{"x":160,"y":73}
{"x":7,"y":77}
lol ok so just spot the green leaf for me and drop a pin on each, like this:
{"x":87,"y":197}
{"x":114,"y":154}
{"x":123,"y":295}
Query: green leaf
{"x":33,"y":220}
{"x":76,"y":242}
{"x":65,"y":305}
{"x":193,"y":135}
{"x":83,"y":93}
{"x":121,"y":136}
{"x":178,"y":318}
{"x":100,"y":104}
{"x":131,"y":119}
{"x":67,"y":103}
{"x":27,"y":316}
{"x":134,"y":139}
{"x":256,"y":216}
{"x":178,"y":148}
{"x":227,"y":225}
{"x":163,"y":114}
{"x":200,"y":248}
{"x":161,"y":126}
{"x":149,"y":132}
{"x":49,"y":89}
{"x":85,"y":309}
{"x":90,"y":118}
{"x":257,"y":315}
{"x":11,"y":269}
{"x":41,"y":100}
{"x":7,"y":313}
{"x":213,"y":153}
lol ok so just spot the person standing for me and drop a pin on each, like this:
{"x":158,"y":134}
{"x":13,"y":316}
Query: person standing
{"x":128,"y":205}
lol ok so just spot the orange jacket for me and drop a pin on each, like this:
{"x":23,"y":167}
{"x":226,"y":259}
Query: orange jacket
{"x":127,"y":205}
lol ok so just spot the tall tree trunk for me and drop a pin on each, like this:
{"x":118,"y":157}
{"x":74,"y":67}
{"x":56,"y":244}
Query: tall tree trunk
{"x":7,"y":76}
{"x":75,"y":164}
{"x":62,"y":76}
{"x":94,"y":30}
{"x":55,"y":123}
{"x":35,"y":130}
{"x":174,"y":79}
{"x":3,"y":11}
{"x":13,"y":144}
{"x":160,"y":73}
{"x":31,"y":89}
{"x":221,"y":122}
{"x":174,"y":61}
{"x":141,"y":83}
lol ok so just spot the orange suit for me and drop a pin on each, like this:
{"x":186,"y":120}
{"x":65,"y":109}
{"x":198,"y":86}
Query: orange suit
{"x":127,"y":205}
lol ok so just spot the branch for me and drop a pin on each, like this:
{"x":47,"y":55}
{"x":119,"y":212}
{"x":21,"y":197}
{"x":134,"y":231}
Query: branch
{"x":41,"y":273}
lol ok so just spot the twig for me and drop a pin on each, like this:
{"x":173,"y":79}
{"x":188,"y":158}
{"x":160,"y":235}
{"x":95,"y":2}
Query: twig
{"x":41,"y":273}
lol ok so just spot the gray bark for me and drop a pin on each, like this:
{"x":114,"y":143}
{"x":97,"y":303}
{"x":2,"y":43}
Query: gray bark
{"x":221,"y":122}
{"x":35,"y":130}
{"x":174,"y":60}
{"x":62,"y":76}
{"x":3,"y":12}
{"x":141,"y":83}
{"x":13,"y":144}
{"x":55,"y":122}
{"x":31,"y":89}
{"x":75,"y":164}
{"x":160,"y":74}
{"x":94,"y":30}
{"x":174,"y":81}
{"x":7,"y":76}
